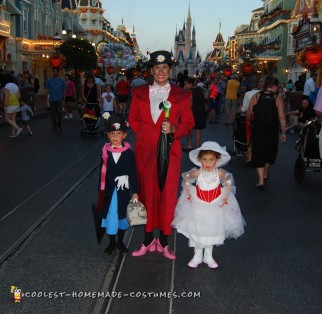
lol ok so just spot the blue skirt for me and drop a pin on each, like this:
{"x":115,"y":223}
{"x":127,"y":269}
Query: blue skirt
{"x":112,"y":222}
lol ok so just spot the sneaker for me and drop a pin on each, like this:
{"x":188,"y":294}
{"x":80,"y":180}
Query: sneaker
{"x":19,"y":131}
{"x":11,"y":135}
{"x":66,"y":117}
{"x":30,"y":133}
{"x":70,"y":116}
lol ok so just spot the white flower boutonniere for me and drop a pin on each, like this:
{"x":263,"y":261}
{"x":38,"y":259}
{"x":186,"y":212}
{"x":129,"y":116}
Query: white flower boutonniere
{"x":106,"y":115}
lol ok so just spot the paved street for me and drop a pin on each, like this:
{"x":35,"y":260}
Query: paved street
{"x":275,"y":267}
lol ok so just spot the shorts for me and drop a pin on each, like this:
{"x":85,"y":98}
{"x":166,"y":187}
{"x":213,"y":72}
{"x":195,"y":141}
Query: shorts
{"x":230,"y":104}
{"x":123,"y":98}
{"x":214,"y":104}
{"x":69,"y":98}
{"x":12,"y":109}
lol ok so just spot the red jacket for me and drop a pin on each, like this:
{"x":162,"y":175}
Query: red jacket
{"x":160,"y":206}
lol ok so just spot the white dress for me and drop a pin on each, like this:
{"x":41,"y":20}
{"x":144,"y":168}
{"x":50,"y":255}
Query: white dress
{"x":208,"y":222}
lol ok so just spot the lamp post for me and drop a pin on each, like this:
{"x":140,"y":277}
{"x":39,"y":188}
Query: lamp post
{"x":315,"y":28}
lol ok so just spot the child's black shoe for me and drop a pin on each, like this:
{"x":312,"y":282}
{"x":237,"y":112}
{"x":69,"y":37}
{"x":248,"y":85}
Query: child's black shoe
{"x":111,"y":247}
{"x":122,"y":248}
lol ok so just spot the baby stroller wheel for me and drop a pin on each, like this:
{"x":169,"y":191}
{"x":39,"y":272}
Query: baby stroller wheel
{"x":299,"y":170}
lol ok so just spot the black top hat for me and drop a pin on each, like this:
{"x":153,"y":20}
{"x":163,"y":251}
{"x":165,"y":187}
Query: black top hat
{"x":160,"y":57}
{"x":116,"y":123}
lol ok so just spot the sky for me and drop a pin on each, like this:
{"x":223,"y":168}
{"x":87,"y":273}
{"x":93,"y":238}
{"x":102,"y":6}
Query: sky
{"x":155,"y":21}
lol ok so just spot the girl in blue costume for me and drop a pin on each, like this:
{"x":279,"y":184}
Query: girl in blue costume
{"x":118,"y":182}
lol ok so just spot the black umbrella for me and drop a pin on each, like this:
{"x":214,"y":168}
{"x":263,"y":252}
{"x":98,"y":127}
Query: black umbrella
{"x":164,"y":146}
{"x":97,"y":222}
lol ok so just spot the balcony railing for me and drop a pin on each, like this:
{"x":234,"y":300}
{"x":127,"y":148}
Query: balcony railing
{"x":4,"y":15}
{"x":273,"y":16}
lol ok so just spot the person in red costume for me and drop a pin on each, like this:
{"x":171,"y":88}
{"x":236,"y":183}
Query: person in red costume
{"x":147,"y":121}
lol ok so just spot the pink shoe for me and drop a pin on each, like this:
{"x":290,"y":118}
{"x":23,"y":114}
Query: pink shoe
{"x":168,"y":253}
{"x":159,"y":247}
{"x":143,"y":249}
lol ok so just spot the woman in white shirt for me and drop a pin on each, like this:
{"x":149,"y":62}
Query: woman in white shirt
{"x":11,"y":104}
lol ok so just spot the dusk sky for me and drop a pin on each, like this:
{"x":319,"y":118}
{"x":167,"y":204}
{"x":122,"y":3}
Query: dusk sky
{"x":155,"y":21}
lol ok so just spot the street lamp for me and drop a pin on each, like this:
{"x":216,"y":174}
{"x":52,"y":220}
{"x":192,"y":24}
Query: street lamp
{"x":315,"y":27}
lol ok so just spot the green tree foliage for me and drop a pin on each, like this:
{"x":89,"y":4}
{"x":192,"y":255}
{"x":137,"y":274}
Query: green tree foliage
{"x":79,"y":54}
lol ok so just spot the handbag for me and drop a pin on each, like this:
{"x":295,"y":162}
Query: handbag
{"x":136,"y":213}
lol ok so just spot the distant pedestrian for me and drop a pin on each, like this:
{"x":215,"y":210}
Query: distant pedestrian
{"x":26,"y":113}
{"x":231,"y":99}
{"x":267,"y":110}
{"x":36,"y":85}
{"x":253,"y":86}
{"x":70,"y":96}
{"x":56,"y":88}
{"x":207,"y":212}
{"x":198,"y":110}
{"x":318,"y":105}
{"x":137,"y":81}
{"x":108,"y":101}
{"x":11,"y":104}
{"x":213,"y":93}
{"x":123,"y":90}
{"x":118,"y":183}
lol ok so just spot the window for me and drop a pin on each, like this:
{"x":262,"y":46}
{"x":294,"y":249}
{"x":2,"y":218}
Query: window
{"x":25,"y":22}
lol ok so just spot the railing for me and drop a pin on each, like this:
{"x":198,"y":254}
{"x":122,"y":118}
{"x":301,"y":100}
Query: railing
{"x":4,"y":15}
{"x":271,"y":18}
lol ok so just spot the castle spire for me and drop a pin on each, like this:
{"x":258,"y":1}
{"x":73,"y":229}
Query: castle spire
{"x":189,"y":15}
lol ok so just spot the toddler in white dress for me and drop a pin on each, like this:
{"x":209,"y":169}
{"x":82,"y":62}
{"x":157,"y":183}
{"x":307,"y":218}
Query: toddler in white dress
{"x":207,"y":212}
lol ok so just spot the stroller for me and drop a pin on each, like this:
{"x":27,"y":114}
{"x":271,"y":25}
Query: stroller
{"x":239,"y":134}
{"x":309,"y":159}
{"x":91,"y":120}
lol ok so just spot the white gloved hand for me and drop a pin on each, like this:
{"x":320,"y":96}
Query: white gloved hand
{"x":122,"y":182}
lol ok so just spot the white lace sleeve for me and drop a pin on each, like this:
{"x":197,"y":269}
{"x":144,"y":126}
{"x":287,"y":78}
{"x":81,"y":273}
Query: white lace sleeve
{"x":186,"y":177}
{"x":229,"y":182}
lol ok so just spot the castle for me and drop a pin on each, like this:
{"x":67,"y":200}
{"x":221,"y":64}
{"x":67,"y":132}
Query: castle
{"x":185,"y":49}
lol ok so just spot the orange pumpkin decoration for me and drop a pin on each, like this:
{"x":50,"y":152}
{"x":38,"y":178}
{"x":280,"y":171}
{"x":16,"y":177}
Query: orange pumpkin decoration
{"x":313,"y":58}
{"x":57,"y":60}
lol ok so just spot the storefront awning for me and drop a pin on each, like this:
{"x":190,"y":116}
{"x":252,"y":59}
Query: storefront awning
{"x":10,"y":6}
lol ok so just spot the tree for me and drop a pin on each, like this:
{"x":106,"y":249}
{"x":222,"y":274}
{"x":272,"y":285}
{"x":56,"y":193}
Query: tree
{"x":80,"y":54}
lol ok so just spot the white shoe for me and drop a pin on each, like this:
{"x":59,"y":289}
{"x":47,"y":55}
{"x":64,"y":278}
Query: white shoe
{"x":197,"y":258}
{"x":208,"y":259}
{"x":66,"y":117}
{"x":19,"y":131}
{"x":70,"y":116}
